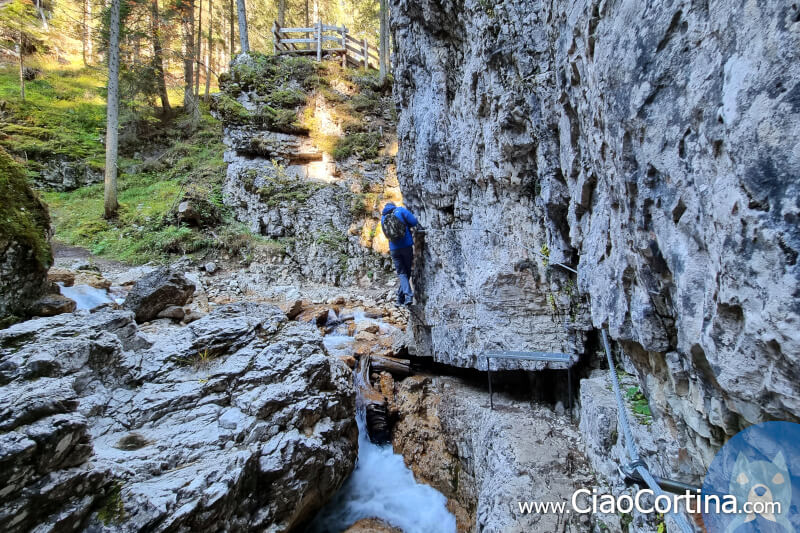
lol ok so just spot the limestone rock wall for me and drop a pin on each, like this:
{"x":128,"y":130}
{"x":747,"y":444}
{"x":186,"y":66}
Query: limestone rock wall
{"x":651,"y":146}
{"x":236,"y":422}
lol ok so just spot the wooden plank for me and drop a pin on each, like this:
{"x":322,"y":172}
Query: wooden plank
{"x":328,"y":27}
{"x":298,"y":30}
{"x":334,"y":38}
{"x":353,"y":39}
{"x":354,"y":50}
{"x":299,"y":40}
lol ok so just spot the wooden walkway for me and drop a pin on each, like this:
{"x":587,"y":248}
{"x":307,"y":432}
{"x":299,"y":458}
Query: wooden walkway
{"x":324,"y":39}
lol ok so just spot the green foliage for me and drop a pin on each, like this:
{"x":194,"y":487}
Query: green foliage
{"x":24,"y":218}
{"x":230,"y":110}
{"x":331,"y":237}
{"x":147,"y":229}
{"x":267,"y":75}
{"x":639,"y":404}
{"x":63,"y":116}
{"x":364,"y":145}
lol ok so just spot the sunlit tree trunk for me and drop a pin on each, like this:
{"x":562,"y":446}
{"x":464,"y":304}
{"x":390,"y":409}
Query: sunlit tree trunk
{"x":281,"y":12}
{"x":209,"y":48}
{"x":243,"y":38}
{"x":87,"y":32}
{"x":20,"y":48}
{"x":308,"y":21}
{"x":232,"y":42}
{"x":112,"y":114}
{"x":198,"y":51}
{"x":158,"y":57}
{"x":187,"y":21}
{"x":384,"y":43}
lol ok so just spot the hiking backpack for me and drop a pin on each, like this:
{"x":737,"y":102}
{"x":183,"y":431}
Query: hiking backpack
{"x":393,"y":227}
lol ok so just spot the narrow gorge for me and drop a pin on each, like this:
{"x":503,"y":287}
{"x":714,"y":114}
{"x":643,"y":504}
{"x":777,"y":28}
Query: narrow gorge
{"x":608,"y":195}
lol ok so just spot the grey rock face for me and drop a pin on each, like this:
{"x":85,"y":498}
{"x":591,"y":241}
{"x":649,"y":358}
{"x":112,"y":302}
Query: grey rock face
{"x":236,"y":422}
{"x":652,"y":147}
{"x":156,"y":291}
{"x":65,"y":175}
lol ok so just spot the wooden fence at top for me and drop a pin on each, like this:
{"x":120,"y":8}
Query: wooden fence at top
{"x":325,"y":39}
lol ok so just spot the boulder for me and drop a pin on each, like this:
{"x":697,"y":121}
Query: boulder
{"x":156,"y":291}
{"x":53,"y":304}
{"x":61,"y":275}
{"x":174,"y":312}
{"x":204,"y":427}
{"x":210,"y":267}
{"x":92,"y":279}
{"x":294,"y":308}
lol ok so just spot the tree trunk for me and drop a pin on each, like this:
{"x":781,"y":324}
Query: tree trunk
{"x":83,"y":33}
{"x":187,"y":19}
{"x":243,"y":39}
{"x":20,"y":48}
{"x":209,"y":48}
{"x":89,"y":40}
{"x":158,"y":57}
{"x":112,"y":114}
{"x":308,"y":21}
{"x":232,"y":43}
{"x":198,"y":51}
{"x":383,"y":44}
{"x":281,"y":13}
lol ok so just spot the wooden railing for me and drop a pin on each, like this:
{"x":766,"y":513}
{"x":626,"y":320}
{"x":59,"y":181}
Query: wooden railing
{"x":324,"y":39}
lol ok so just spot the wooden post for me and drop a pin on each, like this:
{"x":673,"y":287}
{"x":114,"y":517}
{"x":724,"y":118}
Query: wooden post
{"x":344,"y":46}
{"x":364,"y":51}
{"x":319,"y":40}
{"x":274,"y":38}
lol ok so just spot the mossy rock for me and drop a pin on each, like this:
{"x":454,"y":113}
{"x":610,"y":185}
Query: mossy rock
{"x":364,"y":145}
{"x":280,"y":190}
{"x":25,"y":253}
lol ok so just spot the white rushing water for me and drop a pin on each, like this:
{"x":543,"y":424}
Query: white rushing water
{"x":381,"y":486}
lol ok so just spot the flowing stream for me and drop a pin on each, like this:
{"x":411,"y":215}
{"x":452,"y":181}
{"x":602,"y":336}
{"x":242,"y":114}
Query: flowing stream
{"x":381,"y":486}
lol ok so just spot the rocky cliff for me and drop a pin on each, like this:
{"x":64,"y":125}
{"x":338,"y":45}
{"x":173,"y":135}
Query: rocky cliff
{"x":238,"y":422}
{"x":651,"y":147}
{"x":310,"y":164}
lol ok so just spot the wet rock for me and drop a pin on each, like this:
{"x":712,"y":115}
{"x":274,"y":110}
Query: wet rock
{"x":61,"y":275}
{"x":53,"y":304}
{"x":102,"y":428}
{"x":156,"y":291}
{"x":92,"y":279}
{"x":372,"y":525}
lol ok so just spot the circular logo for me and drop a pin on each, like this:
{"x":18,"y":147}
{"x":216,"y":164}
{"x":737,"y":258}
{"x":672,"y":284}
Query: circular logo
{"x":753,"y":483}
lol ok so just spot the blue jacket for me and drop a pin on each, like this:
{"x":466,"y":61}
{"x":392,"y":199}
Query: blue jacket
{"x":408,"y":219}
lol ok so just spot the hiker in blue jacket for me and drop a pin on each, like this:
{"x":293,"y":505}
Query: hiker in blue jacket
{"x":396,"y":223}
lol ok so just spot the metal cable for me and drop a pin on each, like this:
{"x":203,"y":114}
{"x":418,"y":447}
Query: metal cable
{"x":630,"y":445}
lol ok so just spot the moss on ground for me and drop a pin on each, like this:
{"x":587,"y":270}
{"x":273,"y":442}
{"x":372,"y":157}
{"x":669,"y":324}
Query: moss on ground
{"x":23,"y":215}
{"x":364,"y":145}
{"x":149,"y":192}
{"x":63,"y":116}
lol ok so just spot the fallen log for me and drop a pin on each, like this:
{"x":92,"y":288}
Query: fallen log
{"x":376,"y":410}
{"x":398,"y":368}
